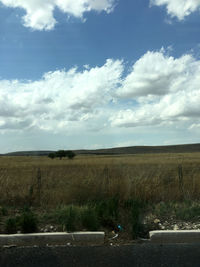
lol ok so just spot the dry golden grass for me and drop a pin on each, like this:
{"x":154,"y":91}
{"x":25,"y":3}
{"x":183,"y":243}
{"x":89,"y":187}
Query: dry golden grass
{"x":150,"y":177}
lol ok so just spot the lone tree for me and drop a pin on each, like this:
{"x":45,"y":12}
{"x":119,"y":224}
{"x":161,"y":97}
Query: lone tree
{"x":51,"y":155}
{"x":70,"y":154}
{"x":61,"y":154}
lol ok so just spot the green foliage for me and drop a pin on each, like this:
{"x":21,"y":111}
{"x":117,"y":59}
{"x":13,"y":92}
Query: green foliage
{"x":52,"y":155}
{"x":187,"y":211}
{"x":89,"y":219}
{"x":28,"y":222}
{"x":136,"y":217}
{"x":107,"y":212}
{"x":60,"y":154}
{"x":11,"y":226}
{"x":163,"y":209}
{"x":182,"y":211}
{"x":69,"y":217}
{"x":70,"y":154}
{"x":3,"y":211}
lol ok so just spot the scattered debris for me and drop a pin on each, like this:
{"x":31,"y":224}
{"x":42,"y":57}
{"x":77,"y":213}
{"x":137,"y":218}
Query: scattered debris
{"x":119,"y":227}
{"x":116,"y":235}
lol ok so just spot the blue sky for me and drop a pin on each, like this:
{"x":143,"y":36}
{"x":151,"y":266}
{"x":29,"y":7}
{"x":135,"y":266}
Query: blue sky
{"x":98,"y":73}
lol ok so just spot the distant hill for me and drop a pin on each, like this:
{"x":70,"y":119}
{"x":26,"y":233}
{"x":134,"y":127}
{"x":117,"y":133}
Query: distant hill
{"x":189,"y":148}
{"x":28,"y":153}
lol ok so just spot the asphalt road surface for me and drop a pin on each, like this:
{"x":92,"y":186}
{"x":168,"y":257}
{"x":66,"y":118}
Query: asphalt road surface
{"x":131,"y":255}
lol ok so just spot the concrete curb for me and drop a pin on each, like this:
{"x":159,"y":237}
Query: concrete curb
{"x":43,"y":239}
{"x":172,"y":236}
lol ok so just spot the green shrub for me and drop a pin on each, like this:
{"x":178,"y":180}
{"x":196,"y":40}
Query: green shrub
{"x":136,"y":219}
{"x":131,"y":202}
{"x":69,"y":217}
{"x":11,"y":226}
{"x":28,"y":222}
{"x":3,"y":211}
{"x":51,"y":155}
{"x":164,"y":209}
{"x":89,"y":219}
{"x":70,"y":154}
{"x":107,"y":212}
{"x":187,"y":211}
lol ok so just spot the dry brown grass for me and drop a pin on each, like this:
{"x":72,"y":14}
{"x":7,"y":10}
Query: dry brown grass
{"x":147,"y":177}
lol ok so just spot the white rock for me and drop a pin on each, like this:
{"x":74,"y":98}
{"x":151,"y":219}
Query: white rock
{"x":175,"y":227}
{"x":156,"y":221}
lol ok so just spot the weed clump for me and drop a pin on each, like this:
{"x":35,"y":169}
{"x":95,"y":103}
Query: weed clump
{"x":11,"y":226}
{"x":3,"y":211}
{"x":107,"y":212}
{"x":89,"y":219}
{"x":69,"y":218}
{"x":28,"y":222}
{"x":188,"y":211}
{"x":135,"y":209}
{"x":164,"y":209}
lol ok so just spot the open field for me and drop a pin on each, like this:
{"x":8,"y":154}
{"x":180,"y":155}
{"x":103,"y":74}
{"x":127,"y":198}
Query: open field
{"x":150,"y":177}
{"x":139,"y":191}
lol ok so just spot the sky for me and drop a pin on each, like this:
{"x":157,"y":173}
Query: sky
{"x":91,"y":74}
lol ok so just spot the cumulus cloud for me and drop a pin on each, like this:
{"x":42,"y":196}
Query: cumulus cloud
{"x":159,"y":90}
{"x":59,"y":98}
{"x":178,"y":8}
{"x":39,"y":13}
{"x":156,"y":74}
{"x":166,"y":90}
{"x":195,"y":126}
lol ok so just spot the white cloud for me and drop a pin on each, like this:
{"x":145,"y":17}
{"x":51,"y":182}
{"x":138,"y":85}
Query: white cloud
{"x":39,"y":13}
{"x":195,"y":126}
{"x":178,"y":8}
{"x":60,"y":98}
{"x":156,"y":74}
{"x":166,"y":90}
{"x":159,"y":91}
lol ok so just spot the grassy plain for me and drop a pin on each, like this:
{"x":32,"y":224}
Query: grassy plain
{"x":98,"y":192}
{"x":50,"y":183}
